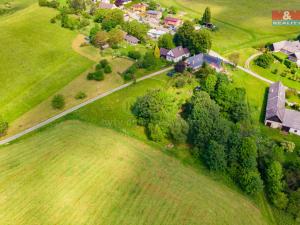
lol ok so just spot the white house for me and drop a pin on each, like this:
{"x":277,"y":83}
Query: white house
{"x":156,"y":33}
{"x":177,"y":54}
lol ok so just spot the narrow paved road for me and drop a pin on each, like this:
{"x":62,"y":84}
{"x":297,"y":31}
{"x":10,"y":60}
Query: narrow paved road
{"x":248,"y":61}
{"x":213,"y":53}
{"x":62,"y":114}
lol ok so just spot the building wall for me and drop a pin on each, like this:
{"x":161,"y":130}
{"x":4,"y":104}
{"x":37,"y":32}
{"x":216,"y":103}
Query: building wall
{"x":273,"y":124}
{"x":294,"y":131}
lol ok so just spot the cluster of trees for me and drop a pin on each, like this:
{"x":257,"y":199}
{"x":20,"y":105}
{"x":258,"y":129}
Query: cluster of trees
{"x":100,"y":38}
{"x":195,"y":41}
{"x":265,"y":60}
{"x":149,"y":61}
{"x":109,"y":19}
{"x":101,"y":68}
{"x":136,"y":29}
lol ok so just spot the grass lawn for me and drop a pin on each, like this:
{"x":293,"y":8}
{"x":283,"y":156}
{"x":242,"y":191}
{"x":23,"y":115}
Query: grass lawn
{"x":8,"y":7}
{"x":77,"y":173}
{"x":37,"y":60}
{"x":242,"y":24}
{"x":267,"y":73}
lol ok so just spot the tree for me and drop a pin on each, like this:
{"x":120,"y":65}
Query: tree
{"x":119,"y":2}
{"x":100,"y":14}
{"x":77,"y":4}
{"x":149,"y":61}
{"x":179,"y":130}
{"x":210,"y":84}
{"x":250,"y":182}
{"x":180,"y":67}
{"x":134,"y":54}
{"x":107,"y":69}
{"x":265,"y":60}
{"x":156,"y":52}
{"x":104,"y":63}
{"x":112,"y":18}
{"x":200,"y":41}
{"x":214,"y":156}
{"x":3,"y":127}
{"x":136,"y":29}
{"x":152,"y":5}
{"x":115,"y":36}
{"x":206,"y":18}
{"x":93,"y":33}
{"x":101,"y":38}
{"x":58,"y":102}
{"x":183,"y":34}
{"x":234,"y":58}
{"x":166,"y":41}
{"x":155,"y":110}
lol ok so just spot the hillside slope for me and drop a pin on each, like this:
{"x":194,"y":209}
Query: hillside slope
{"x":75,"y":173}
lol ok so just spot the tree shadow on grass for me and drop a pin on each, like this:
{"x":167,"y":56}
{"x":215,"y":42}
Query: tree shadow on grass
{"x":264,"y":105}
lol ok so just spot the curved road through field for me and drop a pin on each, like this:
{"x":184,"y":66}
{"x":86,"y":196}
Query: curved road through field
{"x":62,"y":114}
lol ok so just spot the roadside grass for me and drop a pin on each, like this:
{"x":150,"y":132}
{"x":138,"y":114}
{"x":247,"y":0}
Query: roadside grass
{"x":36,"y":60}
{"x":78,"y":173}
{"x":267,"y":73}
{"x":244,"y":54}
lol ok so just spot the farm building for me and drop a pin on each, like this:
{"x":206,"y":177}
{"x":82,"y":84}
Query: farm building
{"x":277,"y":116}
{"x":131,"y":39}
{"x":290,"y":48}
{"x":195,"y":62}
{"x":177,"y":54}
{"x":170,"y":21}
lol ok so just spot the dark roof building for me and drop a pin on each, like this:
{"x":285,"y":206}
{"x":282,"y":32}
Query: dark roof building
{"x":195,"y":62}
{"x":277,"y":116}
{"x":177,"y":54}
{"x":164,"y":52}
{"x":131,"y":39}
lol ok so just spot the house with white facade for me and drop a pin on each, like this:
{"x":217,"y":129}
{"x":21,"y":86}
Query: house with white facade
{"x":177,"y":54}
{"x":277,"y":115}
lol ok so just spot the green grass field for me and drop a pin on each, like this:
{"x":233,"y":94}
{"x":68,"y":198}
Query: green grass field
{"x":75,"y":173}
{"x":36,"y":59}
{"x":241,"y":24}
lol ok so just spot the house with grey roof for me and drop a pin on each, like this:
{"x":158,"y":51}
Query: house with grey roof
{"x":177,"y":54}
{"x":290,"y":48}
{"x":131,"y":39}
{"x":104,"y":5}
{"x":277,"y":116}
{"x":195,"y":62}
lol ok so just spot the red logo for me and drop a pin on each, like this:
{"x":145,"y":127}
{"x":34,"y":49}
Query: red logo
{"x":286,"y":15}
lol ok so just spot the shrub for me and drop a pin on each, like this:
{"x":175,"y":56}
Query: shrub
{"x":290,"y":92}
{"x":104,"y":63}
{"x":80,"y":95}
{"x":107,"y":69}
{"x":129,"y":73}
{"x":288,"y":146}
{"x":180,"y":67}
{"x":97,"y":75}
{"x":99,"y":67}
{"x":179,"y":130}
{"x":283,"y":74}
{"x":134,"y":55}
{"x":289,"y":64}
{"x":275,"y":71}
{"x":3,"y":127}
{"x":53,"y":20}
{"x":58,"y":102}
{"x":180,"y":83}
{"x":265,"y":60}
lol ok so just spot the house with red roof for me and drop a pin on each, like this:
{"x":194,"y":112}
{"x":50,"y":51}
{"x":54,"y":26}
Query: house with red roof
{"x":170,"y":21}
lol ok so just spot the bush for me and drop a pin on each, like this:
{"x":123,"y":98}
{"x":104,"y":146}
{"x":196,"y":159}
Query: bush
{"x":275,"y":71}
{"x":107,"y":69}
{"x":288,"y":146}
{"x":265,"y":60}
{"x":134,"y":55}
{"x":3,"y":127}
{"x":180,"y":83}
{"x":58,"y":102}
{"x":99,"y":67}
{"x":97,"y":75}
{"x":179,"y":130}
{"x":53,"y":20}
{"x":129,"y":73}
{"x":289,"y":64}
{"x":290,"y":92}
{"x":104,"y":63}
{"x":80,"y":95}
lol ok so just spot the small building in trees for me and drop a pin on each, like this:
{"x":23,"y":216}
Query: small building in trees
{"x":156,"y":33}
{"x":195,"y":62}
{"x":154,"y":14}
{"x":131,"y":39}
{"x":277,"y":116}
